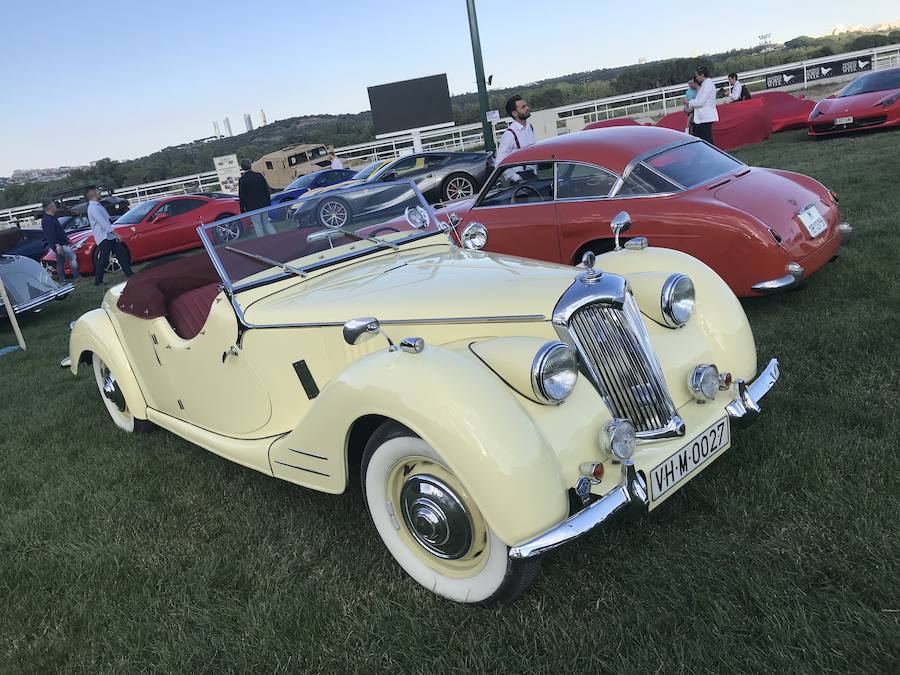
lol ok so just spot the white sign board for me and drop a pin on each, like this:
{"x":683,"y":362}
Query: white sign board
{"x":229,"y":172}
{"x":492,"y":115}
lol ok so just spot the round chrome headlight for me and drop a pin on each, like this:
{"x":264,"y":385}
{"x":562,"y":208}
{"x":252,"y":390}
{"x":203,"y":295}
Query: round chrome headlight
{"x":677,"y":300}
{"x":474,"y":236}
{"x":704,"y":382}
{"x":619,"y":438}
{"x":554,"y":373}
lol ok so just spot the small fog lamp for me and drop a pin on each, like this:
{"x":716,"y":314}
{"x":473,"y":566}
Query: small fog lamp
{"x":704,"y":383}
{"x":619,"y":438}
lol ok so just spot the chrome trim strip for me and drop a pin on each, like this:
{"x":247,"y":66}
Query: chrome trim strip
{"x":308,"y":454}
{"x":629,"y":495}
{"x":60,"y":292}
{"x":301,"y":468}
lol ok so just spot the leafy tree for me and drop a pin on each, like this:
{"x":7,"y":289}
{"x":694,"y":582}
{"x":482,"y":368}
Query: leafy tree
{"x":870,"y":40}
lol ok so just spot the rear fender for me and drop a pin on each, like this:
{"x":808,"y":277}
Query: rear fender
{"x":93,"y":333}
{"x":460,"y":408}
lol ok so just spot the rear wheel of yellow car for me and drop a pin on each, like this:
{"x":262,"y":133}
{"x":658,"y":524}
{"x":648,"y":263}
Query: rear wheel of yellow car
{"x":432,"y":526}
{"x":114,"y":399}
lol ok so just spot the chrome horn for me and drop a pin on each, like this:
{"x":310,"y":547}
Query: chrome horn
{"x":621,"y":223}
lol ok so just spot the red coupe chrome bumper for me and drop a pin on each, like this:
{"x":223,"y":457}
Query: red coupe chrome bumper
{"x":797,"y":273}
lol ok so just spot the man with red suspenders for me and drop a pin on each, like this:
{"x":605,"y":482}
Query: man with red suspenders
{"x":519,"y":134}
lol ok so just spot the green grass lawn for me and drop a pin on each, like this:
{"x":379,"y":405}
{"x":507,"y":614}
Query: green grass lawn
{"x":134,"y":553}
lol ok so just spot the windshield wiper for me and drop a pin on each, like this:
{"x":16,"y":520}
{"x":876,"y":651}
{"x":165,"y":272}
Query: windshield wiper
{"x":289,"y":269}
{"x":357,"y":235}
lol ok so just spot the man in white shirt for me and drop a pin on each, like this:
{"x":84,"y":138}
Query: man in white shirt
{"x":336,"y":162}
{"x":704,"y":106}
{"x":738,"y":91}
{"x":105,"y":238}
{"x":518,"y":135}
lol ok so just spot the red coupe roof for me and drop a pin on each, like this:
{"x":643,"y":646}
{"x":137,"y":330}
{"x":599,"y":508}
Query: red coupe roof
{"x":613,"y":148}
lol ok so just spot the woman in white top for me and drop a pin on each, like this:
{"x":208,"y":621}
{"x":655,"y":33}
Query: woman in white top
{"x":704,"y":106}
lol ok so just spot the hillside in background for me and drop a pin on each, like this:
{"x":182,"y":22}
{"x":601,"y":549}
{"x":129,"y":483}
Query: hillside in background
{"x":341,"y":130}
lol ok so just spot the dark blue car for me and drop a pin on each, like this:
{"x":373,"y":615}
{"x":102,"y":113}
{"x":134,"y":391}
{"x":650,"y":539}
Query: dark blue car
{"x":33,"y":244}
{"x":309,"y":181}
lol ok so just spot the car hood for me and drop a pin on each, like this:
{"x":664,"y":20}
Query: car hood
{"x":853,"y":104}
{"x":420,"y":283}
{"x":784,"y":198}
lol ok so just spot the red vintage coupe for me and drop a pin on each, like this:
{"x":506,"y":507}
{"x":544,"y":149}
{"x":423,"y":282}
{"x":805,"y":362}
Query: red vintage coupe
{"x":155,"y":228}
{"x":871,"y":101}
{"x":762,"y":230}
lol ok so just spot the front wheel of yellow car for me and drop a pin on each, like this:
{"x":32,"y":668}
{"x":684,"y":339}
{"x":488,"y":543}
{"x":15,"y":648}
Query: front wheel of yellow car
{"x":114,"y":400}
{"x":432,"y":526}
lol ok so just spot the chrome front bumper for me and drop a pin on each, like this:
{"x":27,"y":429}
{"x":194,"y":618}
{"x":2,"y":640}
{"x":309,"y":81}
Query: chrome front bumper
{"x":846,"y":232}
{"x":630,"y":495}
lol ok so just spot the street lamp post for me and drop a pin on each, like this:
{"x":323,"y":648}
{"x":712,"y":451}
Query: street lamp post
{"x":486,"y":127}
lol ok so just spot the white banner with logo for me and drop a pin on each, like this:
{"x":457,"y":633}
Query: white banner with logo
{"x":229,"y":172}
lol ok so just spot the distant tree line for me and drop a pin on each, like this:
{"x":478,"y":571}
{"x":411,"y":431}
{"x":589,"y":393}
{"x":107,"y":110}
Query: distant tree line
{"x":341,"y":130}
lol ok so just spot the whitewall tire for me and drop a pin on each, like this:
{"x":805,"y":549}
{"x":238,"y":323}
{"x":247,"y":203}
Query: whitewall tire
{"x":431,"y":524}
{"x":114,"y":399}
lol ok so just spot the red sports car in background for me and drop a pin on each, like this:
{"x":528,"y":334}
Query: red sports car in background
{"x":155,"y":228}
{"x":871,"y":101}
{"x":762,"y":230}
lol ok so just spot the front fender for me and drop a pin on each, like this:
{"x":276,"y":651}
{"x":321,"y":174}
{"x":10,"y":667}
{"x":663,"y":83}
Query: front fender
{"x":719,"y":314}
{"x":94,"y":333}
{"x":460,"y":408}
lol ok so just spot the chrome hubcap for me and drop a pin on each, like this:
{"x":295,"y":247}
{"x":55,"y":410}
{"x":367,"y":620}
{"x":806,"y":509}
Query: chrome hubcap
{"x":113,"y":265}
{"x":334,"y":214}
{"x":227,"y":232}
{"x":459,"y":188}
{"x":111,"y":390}
{"x":436,"y":517}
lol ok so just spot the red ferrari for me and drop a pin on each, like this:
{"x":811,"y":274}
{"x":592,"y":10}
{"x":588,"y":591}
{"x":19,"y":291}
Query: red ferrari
{"x":871,"y":101}
{"x":762,"y":230}
{"x":155,"y":228}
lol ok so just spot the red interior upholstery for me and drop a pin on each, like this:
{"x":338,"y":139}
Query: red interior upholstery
{"x":188,"y":312}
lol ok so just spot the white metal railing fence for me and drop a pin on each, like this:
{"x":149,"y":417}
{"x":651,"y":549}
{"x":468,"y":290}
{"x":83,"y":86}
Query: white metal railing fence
{"x":649,"y":102}
{"x":135,"y":194}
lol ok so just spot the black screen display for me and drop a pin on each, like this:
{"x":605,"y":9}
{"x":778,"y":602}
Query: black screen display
{"x":410,"y":104}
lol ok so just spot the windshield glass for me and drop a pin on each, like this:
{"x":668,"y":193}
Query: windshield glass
{"x":693,"y":164}
{"x":362,"y":174}
{"x":304,"y":182}
{"x":136,"y":215}
{"x":314,"y":231}
{"x":886,"y":79}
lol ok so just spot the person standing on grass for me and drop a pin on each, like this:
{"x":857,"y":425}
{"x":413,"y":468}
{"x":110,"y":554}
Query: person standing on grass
{"x":253,"y":194}
{"x":703,"y":106}
{"x":105,"y":237}
{"x":737,"y":91}
{"x":689,"y":95}
{"x":56,"y":236}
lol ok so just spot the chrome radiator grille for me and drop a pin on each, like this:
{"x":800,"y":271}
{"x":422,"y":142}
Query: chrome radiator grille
{"x":619,"y":357}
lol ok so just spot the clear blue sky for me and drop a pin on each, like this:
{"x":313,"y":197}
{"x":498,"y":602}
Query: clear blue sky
{"x":96,"y":78}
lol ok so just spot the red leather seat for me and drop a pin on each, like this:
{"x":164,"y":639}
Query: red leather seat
{"x":188,"y":312}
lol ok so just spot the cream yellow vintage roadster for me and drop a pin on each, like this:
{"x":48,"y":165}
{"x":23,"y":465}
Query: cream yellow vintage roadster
{"x":496,"y":407}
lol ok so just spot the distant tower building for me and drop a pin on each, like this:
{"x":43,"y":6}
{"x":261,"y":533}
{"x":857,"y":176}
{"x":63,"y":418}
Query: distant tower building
{"x":262,"y":117}
{"x":248,"y":122}
{"x":216,"y":131}
{"x":227,"y":124}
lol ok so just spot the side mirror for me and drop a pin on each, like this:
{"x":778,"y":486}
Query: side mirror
{"x":455,"y":219}
{"x":357,"y":331}
{"x":830,"y":96}
{"x":620,"y":223}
